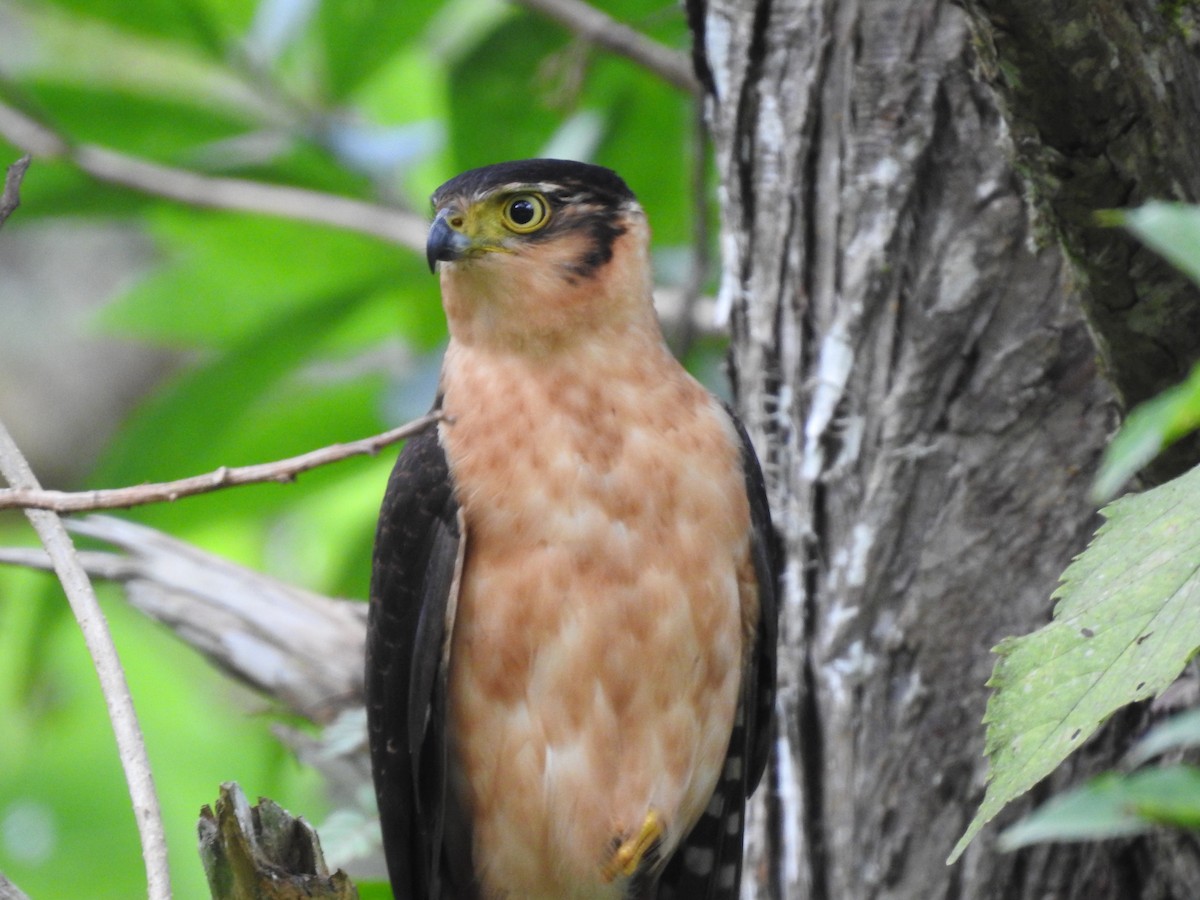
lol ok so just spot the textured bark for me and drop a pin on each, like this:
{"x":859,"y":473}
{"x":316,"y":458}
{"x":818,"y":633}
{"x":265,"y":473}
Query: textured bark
{"x":262,"y":852}
{"x":1102,"y":98}
{"x":914,"y":365}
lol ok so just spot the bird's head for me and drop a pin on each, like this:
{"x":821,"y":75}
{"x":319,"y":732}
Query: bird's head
{"x":536,"y":253}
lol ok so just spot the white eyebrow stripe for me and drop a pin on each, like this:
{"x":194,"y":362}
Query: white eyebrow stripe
{"x":517,"y":187}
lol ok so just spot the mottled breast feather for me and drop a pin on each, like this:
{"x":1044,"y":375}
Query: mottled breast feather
{"x":708,"y":864}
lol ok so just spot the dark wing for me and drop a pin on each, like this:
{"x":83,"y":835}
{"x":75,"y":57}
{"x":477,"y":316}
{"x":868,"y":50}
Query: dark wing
{"x":414,"y":584}
{"x":708,"y":864}
{"x":768,"y":567}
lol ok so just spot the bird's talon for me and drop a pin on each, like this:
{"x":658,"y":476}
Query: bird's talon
{"x":629,"y":854}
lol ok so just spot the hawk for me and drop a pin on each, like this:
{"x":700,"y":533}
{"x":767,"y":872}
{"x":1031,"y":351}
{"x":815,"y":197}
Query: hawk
{"x":571,"y":645}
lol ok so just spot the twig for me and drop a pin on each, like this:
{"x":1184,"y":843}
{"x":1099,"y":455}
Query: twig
{"x":601,"y":29}
{"x":11,"y":198}
{"x":399,"y":227}
{"x":130,"y":745}
{"x":283,"y":470}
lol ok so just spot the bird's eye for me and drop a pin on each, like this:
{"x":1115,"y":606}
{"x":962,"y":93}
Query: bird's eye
{"x":525,"y":213}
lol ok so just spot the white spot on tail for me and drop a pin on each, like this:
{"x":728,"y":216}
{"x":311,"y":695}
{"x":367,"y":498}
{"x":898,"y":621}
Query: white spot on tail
{"x":699,"y":860}
{"x":733,"y":768}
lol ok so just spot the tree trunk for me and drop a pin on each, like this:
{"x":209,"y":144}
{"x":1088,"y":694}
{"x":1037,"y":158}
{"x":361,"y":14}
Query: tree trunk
{"x":1102,"y":98}
{"x":912,"y":360}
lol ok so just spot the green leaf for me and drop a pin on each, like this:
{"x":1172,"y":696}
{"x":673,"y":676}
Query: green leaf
{"x":1125,"y":625}
{"x":1113,"y":806}
{"x":1170,"y":229}
{"x":500,"y":107}
{"x":206,"y":23}
{"x":1179,"y":731}
{"x":490,"y":121}
{"x":230,"y":275}
{"x":195,"y":422}
{"x":325,"y":533}
{"x":91,"y":53}
{"x":157,"y":127}
{"x":1150,"y":428}
{"x":361,"y":35}
{"x":373,"y":890}
{"x":1098,"y":810}
{"x":636,"y":110}
{"x":1171,"y":798}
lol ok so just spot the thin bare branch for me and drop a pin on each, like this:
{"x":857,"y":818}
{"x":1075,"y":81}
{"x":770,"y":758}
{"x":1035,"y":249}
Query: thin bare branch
{"x":301,"y":204}
{"x":10,"y":199}
{"x":130,"y":745}
{"x":282,"y":471}
{"x":598,"y":27}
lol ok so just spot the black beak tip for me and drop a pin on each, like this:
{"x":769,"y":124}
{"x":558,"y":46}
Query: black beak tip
{"x":444,"y":243}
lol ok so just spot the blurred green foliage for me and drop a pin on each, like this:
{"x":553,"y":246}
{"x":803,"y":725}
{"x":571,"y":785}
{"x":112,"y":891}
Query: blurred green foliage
{"x":1173,"y":231}
{"x":291,"y":335}
{"x":1119,"y":804}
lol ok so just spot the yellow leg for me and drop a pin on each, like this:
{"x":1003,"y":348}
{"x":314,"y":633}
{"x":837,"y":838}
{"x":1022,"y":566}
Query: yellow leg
{"x":629,"y":854}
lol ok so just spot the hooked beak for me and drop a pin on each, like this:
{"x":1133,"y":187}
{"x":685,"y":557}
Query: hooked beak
{"x":444,"y":242}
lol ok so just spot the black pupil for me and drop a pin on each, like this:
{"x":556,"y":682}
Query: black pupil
{"x":522,"y":211}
